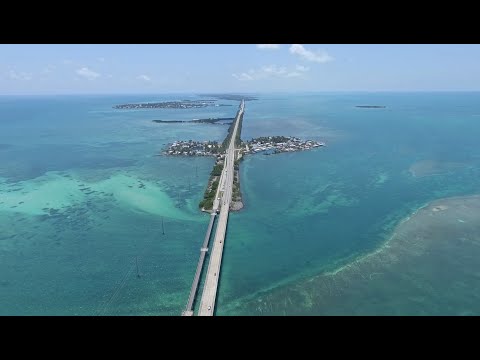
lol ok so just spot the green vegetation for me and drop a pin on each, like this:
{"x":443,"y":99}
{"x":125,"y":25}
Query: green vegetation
{"x":271,"y":139}
{"x":206,"y":204}
{"x":209,"y":195}
{"x":217,"y":170}
{"x":236,"y":192}
{"x":210,"y":192}
{"x":193,"y":148}
{"x":239,"y":131}
{"x":185,"y":104}
{"x":228,"y":137}
{"x":214,"y":186}
{"x":236,"y":165}
{"x":236,"y":195}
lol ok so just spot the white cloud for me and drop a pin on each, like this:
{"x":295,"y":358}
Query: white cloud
{"x":302,"y":68}
{"x":243,"y":76}
{"x":274,"y":70}
{"x":315,"y":56}
{"x":12,"y":74}
{"x":101,"y":59}
{"x":87,"y":73}
{"x":67,"y":61}
{"x":144,"y":78}
{"x":268,"y":46}
{"x":294,"y":74}
{"x":268,"y":71}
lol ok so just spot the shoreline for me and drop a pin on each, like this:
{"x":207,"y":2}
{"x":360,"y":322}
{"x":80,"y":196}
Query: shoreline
{"x":236,"y":206}
{"x":237,"y":202}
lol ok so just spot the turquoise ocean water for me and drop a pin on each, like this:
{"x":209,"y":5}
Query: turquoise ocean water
{"x":83,"y":194}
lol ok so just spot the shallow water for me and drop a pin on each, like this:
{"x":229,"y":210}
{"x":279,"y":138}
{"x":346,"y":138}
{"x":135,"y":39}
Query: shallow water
{"x":428,"y":267}
{"x":83,"y":194}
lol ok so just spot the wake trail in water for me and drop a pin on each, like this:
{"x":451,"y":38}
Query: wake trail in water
{"x":103,"y":308}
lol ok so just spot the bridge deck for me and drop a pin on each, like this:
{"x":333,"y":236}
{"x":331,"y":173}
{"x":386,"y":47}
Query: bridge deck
{"x":193,"y":291}
{"x":207,"y":303}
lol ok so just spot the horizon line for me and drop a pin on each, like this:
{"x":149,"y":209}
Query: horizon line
{"x":200,"y":93}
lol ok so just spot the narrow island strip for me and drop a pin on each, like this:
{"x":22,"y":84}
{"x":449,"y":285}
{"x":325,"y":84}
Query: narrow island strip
{"x":223,"y":121}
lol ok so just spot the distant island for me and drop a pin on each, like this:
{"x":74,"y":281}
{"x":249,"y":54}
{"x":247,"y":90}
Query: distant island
{"x":194,"y":148}
{"x":184,"y":104}
{"x":265,"y":144}
{"x":237,"y":97}
{"x":371,"y":106}
{"x":279,"y":144}
{"x":201,"y":121}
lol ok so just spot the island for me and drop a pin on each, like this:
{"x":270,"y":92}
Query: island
{"x":222,"y":121}
{"x":371,"y":106}
{"x":279,"y":144}
{"x":194,"y":148}
{"x":267,"y":145}
{"x":184,"y":104}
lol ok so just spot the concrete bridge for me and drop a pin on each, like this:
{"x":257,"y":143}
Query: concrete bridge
{"x":209,"y":294}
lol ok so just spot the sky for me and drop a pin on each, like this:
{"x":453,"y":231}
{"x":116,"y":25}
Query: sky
{"x":168,"y":68}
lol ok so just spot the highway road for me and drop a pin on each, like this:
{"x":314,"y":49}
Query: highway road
{"x":207,"y":303}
